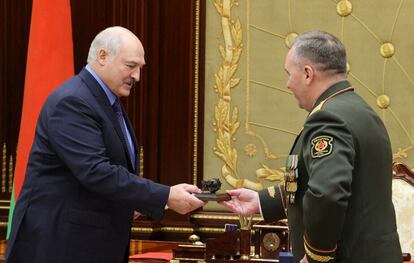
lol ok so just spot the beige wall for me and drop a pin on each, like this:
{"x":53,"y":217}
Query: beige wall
{"x":251,"y":119}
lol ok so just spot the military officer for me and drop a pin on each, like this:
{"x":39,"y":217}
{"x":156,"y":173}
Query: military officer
{"x":337,"y":188}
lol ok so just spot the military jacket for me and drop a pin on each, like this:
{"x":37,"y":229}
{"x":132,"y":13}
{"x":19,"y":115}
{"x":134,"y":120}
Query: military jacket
{"x":342,"y":210}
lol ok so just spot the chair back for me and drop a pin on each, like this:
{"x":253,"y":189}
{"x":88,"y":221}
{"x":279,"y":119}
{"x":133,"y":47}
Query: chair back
{"x":403,"y":199}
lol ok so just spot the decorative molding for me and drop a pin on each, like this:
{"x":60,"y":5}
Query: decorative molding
{"x":3,"y":168}
{"x":143,"y":229}
{"x":11,"y":173}
{"x":141,"y":161}
{"x":196,"y":88}
{"x":210,"y":230}
{"x":169,"y":229}
{"x":222,"y":217}
{"x":227,"y":117}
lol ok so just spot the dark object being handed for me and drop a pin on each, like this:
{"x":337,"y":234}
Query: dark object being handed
{"x":209,"y":188}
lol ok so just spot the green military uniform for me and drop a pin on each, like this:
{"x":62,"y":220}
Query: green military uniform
{"x":338,"y":185}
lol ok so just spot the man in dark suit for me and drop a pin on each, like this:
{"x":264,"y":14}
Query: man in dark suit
{"x":81,"y":188}
{"x":337,"y":188}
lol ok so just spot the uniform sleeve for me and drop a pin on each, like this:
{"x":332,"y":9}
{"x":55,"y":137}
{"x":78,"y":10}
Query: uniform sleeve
{"x":329,"y":153}
{"x":272,"y":203}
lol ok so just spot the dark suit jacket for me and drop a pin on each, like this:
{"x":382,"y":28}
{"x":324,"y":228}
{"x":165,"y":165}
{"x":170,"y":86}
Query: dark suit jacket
{"x":79,"y":194}
{"x":343,"y":203}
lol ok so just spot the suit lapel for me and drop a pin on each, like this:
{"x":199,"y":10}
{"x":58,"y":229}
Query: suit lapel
{"x":103,"y":102}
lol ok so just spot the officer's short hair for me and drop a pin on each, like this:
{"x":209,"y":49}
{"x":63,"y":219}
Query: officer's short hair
{"x":323,"y":50}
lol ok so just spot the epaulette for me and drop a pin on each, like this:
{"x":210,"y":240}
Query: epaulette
{"x":320,"y":105}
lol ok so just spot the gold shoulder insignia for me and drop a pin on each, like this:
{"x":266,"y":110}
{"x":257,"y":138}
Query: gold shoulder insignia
{"x":271,"y":191}
{"x":318,"y":107}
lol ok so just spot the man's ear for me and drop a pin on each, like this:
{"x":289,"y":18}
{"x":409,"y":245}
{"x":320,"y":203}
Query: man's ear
{"x":309,"y":73}
{"x":102,"y":56}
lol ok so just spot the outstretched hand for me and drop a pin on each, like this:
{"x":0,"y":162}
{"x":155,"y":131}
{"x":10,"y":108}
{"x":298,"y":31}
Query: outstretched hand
{"x":304,"y":259}
{"x":243,"y":202}
{"x":182,"y":200}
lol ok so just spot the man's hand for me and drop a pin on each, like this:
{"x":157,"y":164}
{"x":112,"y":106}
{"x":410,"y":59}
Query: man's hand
{"x":136,"y":215}
{"x":182,"y":200}
{"x":304,"y":259}
{"x":244,"y":202}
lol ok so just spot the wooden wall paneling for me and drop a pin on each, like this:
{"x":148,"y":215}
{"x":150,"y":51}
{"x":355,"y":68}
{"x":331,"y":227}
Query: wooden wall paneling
{"x":176,"y":84}
{"x":199,"y":79}
{"x":131,"y":14}
{"x":14,"y":41}
{"x":3,"y":100}
{"x":88,"y":18}
{"x":149,"y":90}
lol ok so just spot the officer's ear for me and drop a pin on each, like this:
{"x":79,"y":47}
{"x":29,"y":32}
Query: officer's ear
{"x":308,"y":73}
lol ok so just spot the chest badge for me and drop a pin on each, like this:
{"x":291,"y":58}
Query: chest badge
{"x":321,"y":146}
{"x":291,"y":177}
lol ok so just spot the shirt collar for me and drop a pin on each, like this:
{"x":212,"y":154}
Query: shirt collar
{"x":111,"y":96}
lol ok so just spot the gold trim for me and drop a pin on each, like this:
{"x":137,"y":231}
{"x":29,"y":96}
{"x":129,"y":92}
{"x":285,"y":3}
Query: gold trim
{"x":143,"y":229}
{"x":270,"y":227}
{"x":4,"y":207}
{"x":289,"y":39}
{"x":344,"y":8}
{"x":11,"y":173}
{"x":5,"y":201}
{"x":383,"y":101}
{"x":214,"y":230}
{"x":141,"y":161}
{"x":317,"y":257}
{"x":245,"y":222}
{"x":226,"y":116}
{"x":387,"y":50}
{"x":222,"y":217}
{"x":188,"y":259}
{"x":168,"y":229}
{"x":192,"y":246}
{"x":3,"y":169}
{"x":196,"y":89}
{"x":3,"y":224}
{"x":264,"y":260}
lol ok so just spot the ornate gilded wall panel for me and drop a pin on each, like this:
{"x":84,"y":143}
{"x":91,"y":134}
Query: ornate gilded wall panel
{"x":251,"y":118}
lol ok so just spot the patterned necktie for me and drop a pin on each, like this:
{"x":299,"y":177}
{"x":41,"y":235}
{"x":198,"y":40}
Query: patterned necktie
{"x":119,"y":115}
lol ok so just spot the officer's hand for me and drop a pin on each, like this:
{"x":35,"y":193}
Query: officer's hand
{"x":182,"y":200}
{"x":243,"y":202}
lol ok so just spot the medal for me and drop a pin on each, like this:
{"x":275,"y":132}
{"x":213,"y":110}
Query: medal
{"x":291,"y":187}
{"x":291,"y":177}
